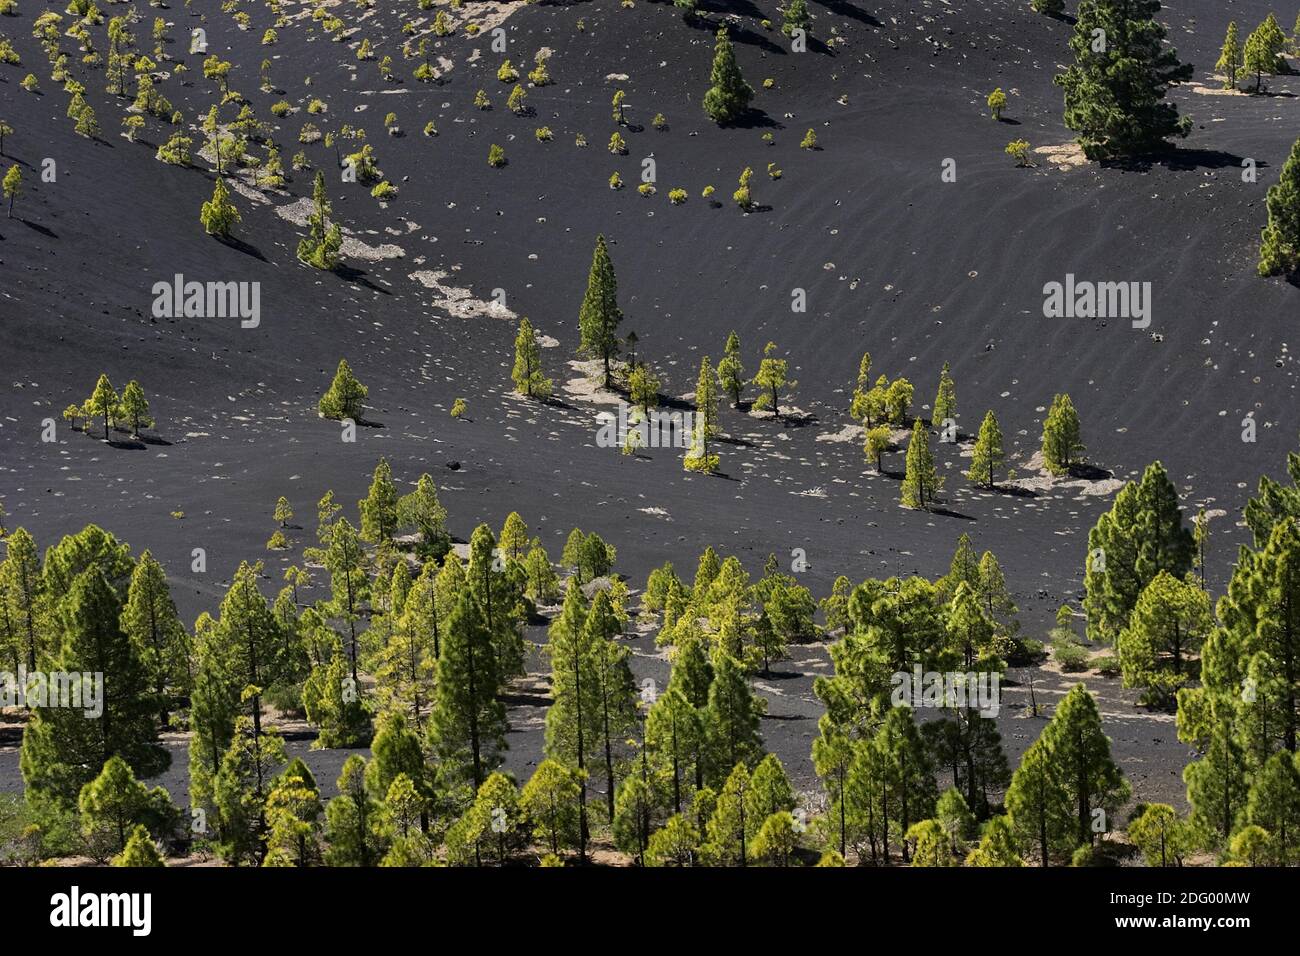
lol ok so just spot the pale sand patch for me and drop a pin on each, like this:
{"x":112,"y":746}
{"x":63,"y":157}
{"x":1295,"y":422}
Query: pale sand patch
{"x":546,"y":341}
{"x":849,"y":433}
{"x":657,"y":512}
{"x":459,"y":302}
{"x":1042,"y":480}
{"x":1064,"y":157}
{"x":586,"y":387}
{"x":297,"y":212}
{"x":1204,"y":90}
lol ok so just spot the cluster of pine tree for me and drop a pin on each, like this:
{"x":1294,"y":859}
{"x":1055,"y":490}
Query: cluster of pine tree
{"x":107,"y":409}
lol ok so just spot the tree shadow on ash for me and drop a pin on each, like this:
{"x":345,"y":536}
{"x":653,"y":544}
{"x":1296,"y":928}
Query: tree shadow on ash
{"x":358,"y":277}
{"x":754,"y":118}
{"x":525,"y":699}
{"x":239,"y":245}
{"x":842,"y":9}
{"x":1178,"y":160}
{"x":125,"y":444}
{"x":1014,"y":491}
{"x":949,"y":513}
{"x":781,"y":675}
{"x":37,"y":227}
{"x":736,"y":442}
{"x":1090,"y":473}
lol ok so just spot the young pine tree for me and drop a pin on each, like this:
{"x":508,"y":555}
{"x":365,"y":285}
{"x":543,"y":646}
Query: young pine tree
{"x":731,"y":372}
{"x":921,"y":481}
{"x":987,"y":456}
{"x":1061,"y":445}
{"x":728,"y":95}
{"x":1230,"y":57}
{"x":527,"y":371}
{"x":1279,"y":247}
{"x":219,"y":214}
{"x":599,"y":315}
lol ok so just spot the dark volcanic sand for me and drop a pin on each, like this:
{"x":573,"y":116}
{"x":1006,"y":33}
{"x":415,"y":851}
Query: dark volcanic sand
{"x":894,"y":261}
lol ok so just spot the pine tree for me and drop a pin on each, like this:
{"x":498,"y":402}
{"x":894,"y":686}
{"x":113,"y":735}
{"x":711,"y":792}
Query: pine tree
{"x":675,"y":744}
{"x":241,"y":789}
{"x":599,"y":316}
{"x":150,"y":620}
{"x":421,"y":510}
{"x":698,"y":457}
{"x":731,"y":371}
{"x":219,"y":214}
{"x":731,"y":719}
{"x":1230,"y":57}
{"x":769,"y":793}
{"x":527,"y":371}
{"x":728,"y":95}
{"x":987,"y":457}
{"x":12,"y":185}
{"x":353,"y":820}
{"x":771,"y":378}
{"x":996,"y":846}
{"x":1263,"y":51}
{"x":140,"y":851}
{"x":468,"y":725}
{"x":633,"y":808}
{"x":1169,"y":623}
{"x":63,"y":747}
{"x":103,"y":402}
{"x":345,"y":395}
{"x":1080,"y":753}
{"x":134,"y":408}
{"x":1115,"y":90}
{"x":1061,"y":442}
{"x":921,"y":481}
{"x":1140,"y":536}
{"x":1274,"y":804}
{"x":24,"y":598}
{"x":858,"y":403}
{"x":945,"y":401}
{"x":1160,"y":835}
{"x":1279,"y":247}
{"x":114,"y":803}
{"x":379,"y":508}
{"x":1038,"y":805}
{"x":549,"y":802}
{"x":320,"y":247}
{"x":293,"y":818}
{"x":876,"y":443}
{"x":571,"y":721}
{"x":727,"y":827}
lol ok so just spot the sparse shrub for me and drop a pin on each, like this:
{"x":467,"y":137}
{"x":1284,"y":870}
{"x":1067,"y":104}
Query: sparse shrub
{"x":768,"y":138}
{"x":281,"y":109}
{"x":809,"y":140}
{"x":516,"y":102}
{"x":507,"y":73}
{"x":580,"y":141}
{"x":646,"y":189}
{"x":768,"y":83}
{"x":660,"y":122}
{"x":496,"y":156}
{"x":458,"y":408}
{"x":677,"y":196}
{"x":742,"y":196}
{"x":278,"y":542}
{"x":1070,"y":656}
{"x":30,"y":83}
{"x":997,"y":102}
{"x":543,"y":134}
{"x":430,"y":129}
{"x":316,"y":106}
{"x":773,"y":171}
{"x":1019,"y":149}
{"x":481,"y":101}
{"x":617,"y":145}
{"x":176,"y":151}
{"x":390,"y":124}
{"x":384,"y":190}
{"x":615,"y":181}
{"x":269,"y":38}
